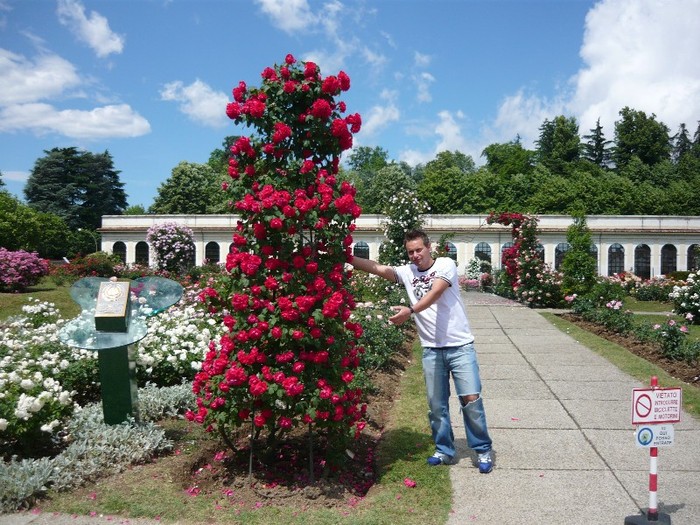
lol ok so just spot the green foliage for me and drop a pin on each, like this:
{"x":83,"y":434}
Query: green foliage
{"x":78,"y":186}
{"x":191,"y":189}
{"x":95,"y":451}
{"x":641,"y":136}
{"x":579,"y":264}
{"x":559,"y":144}
{"x":657,"y":289}
{"x":23,"y":228}
{"x":389,"y":181}
{"x":99,"y":264}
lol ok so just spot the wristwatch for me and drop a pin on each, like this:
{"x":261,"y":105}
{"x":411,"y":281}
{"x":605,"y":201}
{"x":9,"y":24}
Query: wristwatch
{"x":412,"y":310}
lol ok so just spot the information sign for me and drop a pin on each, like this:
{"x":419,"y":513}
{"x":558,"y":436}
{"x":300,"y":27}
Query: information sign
{"x":654,"y":436}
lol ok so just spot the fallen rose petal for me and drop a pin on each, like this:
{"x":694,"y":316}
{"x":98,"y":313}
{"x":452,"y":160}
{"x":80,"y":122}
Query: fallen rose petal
{"x":409,"y":483}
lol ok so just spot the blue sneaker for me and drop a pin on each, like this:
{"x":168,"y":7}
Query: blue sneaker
{"x":485,"y":462}
{"x":440,"y":459}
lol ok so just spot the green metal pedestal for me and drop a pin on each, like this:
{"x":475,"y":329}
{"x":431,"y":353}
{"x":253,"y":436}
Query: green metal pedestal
{"x":118,"y":383}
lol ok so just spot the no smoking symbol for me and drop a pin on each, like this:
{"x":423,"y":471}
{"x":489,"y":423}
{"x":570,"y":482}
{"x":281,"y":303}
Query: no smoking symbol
{"x":643,"y":405}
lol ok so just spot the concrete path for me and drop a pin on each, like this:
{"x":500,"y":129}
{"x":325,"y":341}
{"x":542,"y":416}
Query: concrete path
{"x":560,"y":418}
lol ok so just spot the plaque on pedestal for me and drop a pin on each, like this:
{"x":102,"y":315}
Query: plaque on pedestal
{"x":113,"y":307}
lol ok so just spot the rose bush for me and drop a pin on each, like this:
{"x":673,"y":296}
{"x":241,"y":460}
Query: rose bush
{"x":20,"y":269}
{"x":173,"y":246}
{"x":531,"y":280}
{"x":290,"y":351}
{"x":686,"y":298}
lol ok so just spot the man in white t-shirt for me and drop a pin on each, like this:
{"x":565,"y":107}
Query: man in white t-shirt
{"x":448,"y":345}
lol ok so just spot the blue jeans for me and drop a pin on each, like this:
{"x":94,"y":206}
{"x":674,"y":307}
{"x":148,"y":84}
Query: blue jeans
{"x":461,"y":362}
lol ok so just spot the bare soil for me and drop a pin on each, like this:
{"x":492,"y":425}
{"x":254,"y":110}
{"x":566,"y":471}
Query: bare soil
{"x":686,"y":372}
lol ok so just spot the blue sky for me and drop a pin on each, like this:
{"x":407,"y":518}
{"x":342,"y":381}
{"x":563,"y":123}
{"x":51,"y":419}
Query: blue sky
{"x":149,"y":80}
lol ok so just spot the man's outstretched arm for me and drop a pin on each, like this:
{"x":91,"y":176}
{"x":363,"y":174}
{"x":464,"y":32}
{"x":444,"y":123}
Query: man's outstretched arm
{"x":373,"y":267}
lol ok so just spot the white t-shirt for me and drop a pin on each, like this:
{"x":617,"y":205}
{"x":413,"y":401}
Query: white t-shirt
{"x":445,"y":322}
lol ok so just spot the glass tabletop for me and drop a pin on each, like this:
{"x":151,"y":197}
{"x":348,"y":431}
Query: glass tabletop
{"x":149,"y":296}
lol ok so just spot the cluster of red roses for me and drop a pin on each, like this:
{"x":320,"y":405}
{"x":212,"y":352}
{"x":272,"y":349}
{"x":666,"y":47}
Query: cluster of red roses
{"x":290,"y":351}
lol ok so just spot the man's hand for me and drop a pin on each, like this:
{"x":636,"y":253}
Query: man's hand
{"x":401,"y":316}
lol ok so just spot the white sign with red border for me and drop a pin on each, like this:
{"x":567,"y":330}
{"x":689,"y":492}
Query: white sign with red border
{"x":656,"y":405}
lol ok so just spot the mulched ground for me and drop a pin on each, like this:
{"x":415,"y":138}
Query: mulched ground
{"x":686,"y":372}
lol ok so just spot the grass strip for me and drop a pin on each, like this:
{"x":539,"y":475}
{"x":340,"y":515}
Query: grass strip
{"x":628,"y":362}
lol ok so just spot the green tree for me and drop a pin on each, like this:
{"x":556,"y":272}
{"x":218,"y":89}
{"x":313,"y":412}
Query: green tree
{"x":2,"y":182}
{"x":23,"y":228}
{"x":136,"y":209}
{"x":189,"y":190}
{"x":559,"y":143}
{"x":389,"y":181}
{"x":596,"y":149}
{"x":78,"y":186}
{"x":365,"y":163}
{"x":641,"y":136}
{"x":443,"y":185}
{"x":579,"y":264}
{"x":682,"y":144}
{"x":508,"y":159}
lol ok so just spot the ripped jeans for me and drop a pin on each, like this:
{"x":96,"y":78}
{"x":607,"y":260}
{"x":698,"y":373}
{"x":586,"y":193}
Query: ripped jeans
{"x":461,"y":363}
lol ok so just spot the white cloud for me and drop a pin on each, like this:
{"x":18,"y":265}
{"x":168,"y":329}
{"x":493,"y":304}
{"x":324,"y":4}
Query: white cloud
{"x":93,"y":29}
{"x":642,"y":55}
{"x":421,"y":59}
{"x":637,"y":54}
{"x":449,"y":132}
{"x":115,"y":121}
{"x":23,"y":80}
{"x":18,"y":176}
{"x":423,"y":82}
{"x":198,"y":101}
{"x":380,"y":116}
{"x":289,"y":15}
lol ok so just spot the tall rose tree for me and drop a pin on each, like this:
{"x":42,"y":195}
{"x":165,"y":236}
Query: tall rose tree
{"x":288,"y":356}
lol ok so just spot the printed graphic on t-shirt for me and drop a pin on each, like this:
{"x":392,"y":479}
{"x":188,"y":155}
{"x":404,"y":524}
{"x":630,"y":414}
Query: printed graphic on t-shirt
{"x":422,"y":285}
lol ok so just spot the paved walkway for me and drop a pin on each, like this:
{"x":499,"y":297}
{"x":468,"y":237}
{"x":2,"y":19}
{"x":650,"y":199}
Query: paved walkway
{"x":560,"y":417}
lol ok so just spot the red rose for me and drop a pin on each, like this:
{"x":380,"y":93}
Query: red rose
{"x":344,"y":81}
{"x":321,"y":109}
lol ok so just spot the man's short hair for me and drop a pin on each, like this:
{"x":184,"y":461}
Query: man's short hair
{"x":415,"y":234}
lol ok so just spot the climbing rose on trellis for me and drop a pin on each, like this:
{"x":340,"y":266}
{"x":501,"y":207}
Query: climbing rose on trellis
{"x":532,"y":281}
{"x":290,"y":351}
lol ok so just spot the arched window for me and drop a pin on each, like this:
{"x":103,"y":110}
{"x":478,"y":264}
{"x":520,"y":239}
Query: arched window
{"x":616,"y":259}
{"x":693,"y":257}
{"x":361,"y":250}
{"x":483,"y":251}
{"x":594,"y":253}
{"x":212,"y":252}
{"x":119,"y":249}
{"x":142,"y":253}
{"x":540,"y":252}
{"x":452,"y":251}
{"x":669,"y":257}
{"x":559,"y":253}
{"x":231,"y":247}
{"x":642,"y":261}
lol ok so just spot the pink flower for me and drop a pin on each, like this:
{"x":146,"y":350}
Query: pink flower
{"x":409,"y":483}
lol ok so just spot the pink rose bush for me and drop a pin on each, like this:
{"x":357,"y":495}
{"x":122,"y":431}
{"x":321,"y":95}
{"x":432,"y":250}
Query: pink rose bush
{"x":20,"y":269}
{"x":289,"y":352}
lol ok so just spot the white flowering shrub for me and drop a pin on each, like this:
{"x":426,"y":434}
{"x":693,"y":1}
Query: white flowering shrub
{"x":404,"y":212}
{"x":42,"y":381}
{"x":173,"y":246}
{"x":686,"y":298}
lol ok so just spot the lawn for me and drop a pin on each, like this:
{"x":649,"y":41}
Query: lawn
{"x":46,"y":291}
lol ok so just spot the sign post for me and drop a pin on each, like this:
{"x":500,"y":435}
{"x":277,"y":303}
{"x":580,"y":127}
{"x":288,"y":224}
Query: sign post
{"x":655,"y":409}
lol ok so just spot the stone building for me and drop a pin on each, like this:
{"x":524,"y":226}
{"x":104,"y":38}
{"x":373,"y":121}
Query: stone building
{"x":647,"y":245}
